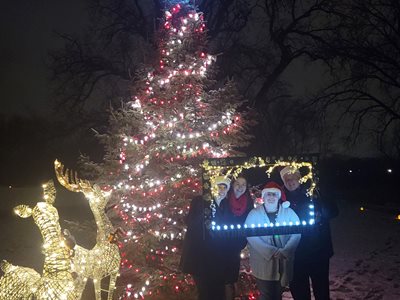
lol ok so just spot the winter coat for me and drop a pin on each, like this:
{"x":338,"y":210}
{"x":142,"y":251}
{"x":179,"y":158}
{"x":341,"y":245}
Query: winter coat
{"x":225,"y":216}
{"x":262,"y":248}
{"x":196,"y":258}
{"x":231,"y":247}
{"x":315,"y":245}
{"x":217,"y":259}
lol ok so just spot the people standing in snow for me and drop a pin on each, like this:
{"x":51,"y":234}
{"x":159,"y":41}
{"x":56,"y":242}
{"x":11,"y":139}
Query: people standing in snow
{"x":315,"y":247}
{"x":214,"y":262}
{"x":233,"y":210}
{"x":271,"y":257}
{"x":200,"y":253}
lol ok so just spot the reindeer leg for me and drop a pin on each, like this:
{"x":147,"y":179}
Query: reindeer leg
{"x":97,"y":288}
{"x":111,"y":287}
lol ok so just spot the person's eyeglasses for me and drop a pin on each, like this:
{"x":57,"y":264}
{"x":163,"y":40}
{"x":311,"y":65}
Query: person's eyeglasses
{"x":222,"y":187}
{"x":272,"y":194}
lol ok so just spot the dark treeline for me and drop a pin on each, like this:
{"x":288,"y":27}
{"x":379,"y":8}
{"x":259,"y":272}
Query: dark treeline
{"x":30,"y":145}
{"x":365,"y":180}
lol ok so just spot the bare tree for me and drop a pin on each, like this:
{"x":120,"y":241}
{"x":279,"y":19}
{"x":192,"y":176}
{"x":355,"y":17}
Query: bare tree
{"x":363,"y":53}
{"x":102,"y":64}
{"x":275,"y":34}
{"x":256,"y":41}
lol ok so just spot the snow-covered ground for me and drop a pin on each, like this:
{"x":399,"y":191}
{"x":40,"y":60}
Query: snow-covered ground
{"x":367,"y":243}
{"x":367,"y":254}
{"x":366,"y":263}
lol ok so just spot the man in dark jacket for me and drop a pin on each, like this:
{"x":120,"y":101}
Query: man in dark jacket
{"x":202,"y":256}
{"x":315,"y":247}
{"x":214,"y":262}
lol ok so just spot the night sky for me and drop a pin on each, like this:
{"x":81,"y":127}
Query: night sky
{"x":27,"y":34}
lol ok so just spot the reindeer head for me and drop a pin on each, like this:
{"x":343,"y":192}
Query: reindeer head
{"x":56,"y":281}
{"x":45,"y":215}
{"x":69,"y":179}
{"x":43,"y":209}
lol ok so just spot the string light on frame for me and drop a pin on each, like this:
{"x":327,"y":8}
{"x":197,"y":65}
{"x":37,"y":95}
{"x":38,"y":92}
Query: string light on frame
{"x":233,"y":167}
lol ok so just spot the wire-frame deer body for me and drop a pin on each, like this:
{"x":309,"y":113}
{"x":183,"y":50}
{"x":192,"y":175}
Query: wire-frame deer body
{"x":17,"y":282}
{"x":104,"y":258}
{"x":56,"y":282}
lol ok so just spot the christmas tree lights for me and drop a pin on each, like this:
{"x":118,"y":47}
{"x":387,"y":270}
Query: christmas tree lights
{"x":173,"y":122}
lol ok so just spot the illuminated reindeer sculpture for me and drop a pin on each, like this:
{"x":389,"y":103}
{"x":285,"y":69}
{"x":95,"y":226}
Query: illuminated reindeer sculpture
{"x":57,"y":282}
{"x":17,"y":282}
{"x":104,"y":258}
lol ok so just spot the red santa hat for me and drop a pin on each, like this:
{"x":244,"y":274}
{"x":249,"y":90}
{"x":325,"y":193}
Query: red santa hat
{"x":275,"y":188}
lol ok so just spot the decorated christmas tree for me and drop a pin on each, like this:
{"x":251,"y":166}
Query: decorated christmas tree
{"x":177,"y":118}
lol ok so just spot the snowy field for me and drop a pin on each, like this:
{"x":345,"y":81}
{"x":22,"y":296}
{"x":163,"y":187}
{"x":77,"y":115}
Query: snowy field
{"x":367,"y":243}
{"x":367,"y":254}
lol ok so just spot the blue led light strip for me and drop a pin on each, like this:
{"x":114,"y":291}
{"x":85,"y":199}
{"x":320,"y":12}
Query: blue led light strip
{"x":265,"y":228}
{"x":262,"y":229}
{"x":212,"y":167}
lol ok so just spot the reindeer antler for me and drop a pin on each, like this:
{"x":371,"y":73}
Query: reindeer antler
{"x":69,"y":179}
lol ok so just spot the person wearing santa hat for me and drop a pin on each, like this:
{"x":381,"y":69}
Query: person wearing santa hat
{"x":271,"y":257}
{"x":315,"y":248}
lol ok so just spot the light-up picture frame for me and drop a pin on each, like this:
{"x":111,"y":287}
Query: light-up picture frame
{"x":258,"y":171}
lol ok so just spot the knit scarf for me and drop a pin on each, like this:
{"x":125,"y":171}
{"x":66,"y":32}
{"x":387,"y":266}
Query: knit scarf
{"x":238,"y":206}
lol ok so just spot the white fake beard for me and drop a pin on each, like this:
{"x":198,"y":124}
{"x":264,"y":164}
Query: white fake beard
{"x":271,"y":207}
